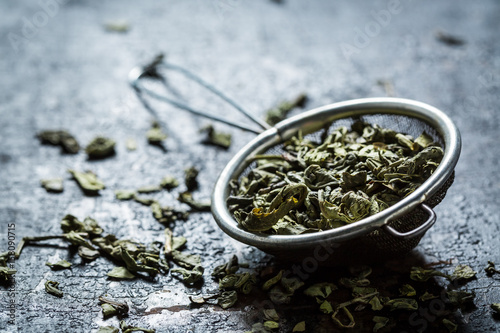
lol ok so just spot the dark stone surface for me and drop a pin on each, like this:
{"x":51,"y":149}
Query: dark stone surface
{"x":64,"y":70}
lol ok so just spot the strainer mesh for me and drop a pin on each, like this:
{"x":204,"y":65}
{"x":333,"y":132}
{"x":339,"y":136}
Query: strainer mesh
{"x":377,"y":244}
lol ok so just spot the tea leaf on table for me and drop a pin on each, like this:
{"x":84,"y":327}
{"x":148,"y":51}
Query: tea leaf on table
{"x":451,"y":326}
{"x":422,"y":275}
{"x":155,"y":134}
{"x":299,"y":327}
{"x":190,"y":276}
{"x":54,"y":185}
{"x":185,"y":260}
{"x":108,"y":329}
{"x":187,"y":198}
{"x":407,"y":290}
{"x":120,"y":273}
{"x":215,"y":138}
{"x":149,"y":189}
{"x":61,"y":264}
{"x":169,"y":182}
{"x":460,"y":298}
{"x":113,"y":307}
{"x":88,"y":181}
{"x":463,"y":272}
{"x":52,"y":288}
{"x":227,"y":299}
{"x":131,"y":144}
{"x":190,"y":178}
{"x":279,"y":113}
{"x":402,"y":304}
{"x":88,"y":254}
{"x":128,"y":329}
{"x":495,"y":307}
{"x":490,"y":269}
{"x":60,"y":138}
{"x":100,"y":147}
{"x":380,"y":322}
{"x":124,"y":194}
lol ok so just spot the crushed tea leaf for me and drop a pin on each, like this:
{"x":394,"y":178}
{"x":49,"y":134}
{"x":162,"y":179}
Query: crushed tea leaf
{"x":60,"y":138}
{"x":54,"y":185}
{"x":88,"y":181}
{"x":190,"y":178}
{"x":277,"y":114}
{"x":100,"y":147}
{"x":216,"y":138}
{"x":61,"y":264}
{"x":155,"y":134}
{"x":51,"y":287}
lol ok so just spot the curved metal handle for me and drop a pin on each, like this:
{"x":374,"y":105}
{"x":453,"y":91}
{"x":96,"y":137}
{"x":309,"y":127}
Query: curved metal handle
{"x":415,"y":232}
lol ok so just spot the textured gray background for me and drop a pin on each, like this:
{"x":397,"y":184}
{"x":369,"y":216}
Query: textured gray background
{"x":70,"y":73}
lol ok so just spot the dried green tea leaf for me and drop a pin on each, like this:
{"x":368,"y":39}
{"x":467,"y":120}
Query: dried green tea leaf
{"x":76,"y":239}
{"x":144,"y":200}
{"x":323,"y":289}
{"x":272,"y":281}
{"x":108,"y":329}
{"x":131,"y":144}
{"x":52,"y":288}
{"x":128,"y":329}
{"x":229,"y":267}
{"x":490,"y":269}
{"x":120,"y":273}
{"x":271,"y":314}
{"x":149,"y":189}
{"x":137,"y":264}
{"x":54,"y":185}
{"x":291,"y":284}
{"x":166,"y":214}
{"x":89,"y":225}
{"x":422,"y":275}
{"x":227,"y":299}
{"x":155,"y":134}
{"x":279,"y":295}
{"x":380,"y":322}
{"x":113,"y":307}
{"x":61,"y":264}
{"x":349,"y":316}
{"x":326,"y":307}
{"x":186,"y":260}
{"x":187,"y":198}
{"x":117,"y":26}
{"x":495,"y":307}
{"x":402,"y":304}
{"x":108,"y":310}
{"x":424,"y":140}
{"x":190,"y":178}
{"x":88,"y":254}
{"x":451,"y":326}
{"x":6,"y":272}
{"x":59,"y":138}
{"x":100,"y":147}
{"x":299,"y":327}
{"x":354,"y":282}
{"x":271,"y":325}
{"x":460,"y":298}
{"x":376,"y":304}
{"x":169,"y":182}
{"x":124,"y":194}
{"x":277,"y":114}
{"x":190,"y":276}
{"x":88,"y":181}
{"x":463,"y":272}
{"x":407,"y":290}
{"x":427,"y":296}
{"x":215,"y":138}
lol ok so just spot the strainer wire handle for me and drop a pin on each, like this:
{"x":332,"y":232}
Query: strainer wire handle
{"x":137,"y":72}
{"x":417,"y":231}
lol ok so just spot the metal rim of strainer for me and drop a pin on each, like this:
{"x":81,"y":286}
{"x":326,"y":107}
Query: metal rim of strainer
{"x":313,"y":120}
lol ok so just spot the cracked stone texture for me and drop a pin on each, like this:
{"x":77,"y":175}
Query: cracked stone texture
{"x":61,"y":69}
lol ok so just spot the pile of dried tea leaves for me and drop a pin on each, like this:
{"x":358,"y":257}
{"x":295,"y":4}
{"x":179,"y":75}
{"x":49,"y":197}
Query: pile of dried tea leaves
{"x":348,"y":176}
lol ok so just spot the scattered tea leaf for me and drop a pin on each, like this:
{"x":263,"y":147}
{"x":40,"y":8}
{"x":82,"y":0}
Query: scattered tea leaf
{"x":299,"y":327}
{"x":407,"y":290}
{"x":460,"y":297}
{"x":155,"y":134}
{"x":131,"y":144}
{"x":88,"y":254}
{"x":124,"y":194}
{"x":190,"y":276}
{"x":108,"y":329}
{"x":277,"y":114}
{"x":187,"y":198}
{"x":227,"y":299}
{"x":402,"y":304}
{"x":117,"y":26}
{"x":190,"y":178}
{"x":149,"y":189}
{"x":169,"y":182}
{"x":88,"y":181}
{"x":495,"y":307}
{"x":380,"y":322}
{"x":490,"y":269}
{"x":427,"y":296}
{"x":61,"y":264}
{"x":271,"y":314}
{"x":54,"y":185}
{"x":463,"y":272}
{"x":100,"y":147}
{"x":323,"y":289}
{"x":349,"y":316}
{"x":215,"y":138}
{"x":422,"y":275}
{"x":113,"y":307}
{"x":120,"y":273}
{"x":52,"y":288}
{"x":185,"y":260}
{"x":128,"y":329}
{"x":59,"y":138}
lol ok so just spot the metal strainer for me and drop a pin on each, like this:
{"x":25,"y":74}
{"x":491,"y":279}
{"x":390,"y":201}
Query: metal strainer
{"x":393,"y":231}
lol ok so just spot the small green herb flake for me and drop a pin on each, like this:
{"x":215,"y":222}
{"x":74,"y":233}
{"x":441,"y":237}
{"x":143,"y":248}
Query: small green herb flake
{"x":100,"y":147}
{"x":124,"y":194}
{"x":190,"y":276}
{"x":277,"y":114}
{"x":495,"y":307}
{"x":108,"y":329}
{"x":422,"y":275}
{"x":88,"y":181}
{"x":155,"y":134}
{"x":299,"y":327}
{"x":227,"y":299}
{"x":52,"y":288}
{"x":61,"y":264}
{"x":407,"y":290}
{"x":169,"y":182}
{"x":88,"y":254}
{"x":347,"y":314}
{"x":190,"y":178}
{"x":271,"y":325}
{"x":117,"y":26}
{"x":6,"y":272}
{"x":463,"y":272}
{"x":149,"y":189}
{"x":427,"y":296}
{"x":323,"y":289}
{"x":271,"y":314}
{"x":121,"y":273}
{"x":108,"y":310}
{"x":451,"y":326}
{"x":131,"y":144}
{"x":60,"y":138}
{"x":460,"y":297}
{"x":490,"y":269}
{"x":380,"y":322}
{"x":128,"y":329}
{"x":402,"y":304}
{"x":272,"y":281}
{"x":216,"y":138}
{"x":54,"y":185}
{"x":186,"y":260}
{"x":199,"y":206}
